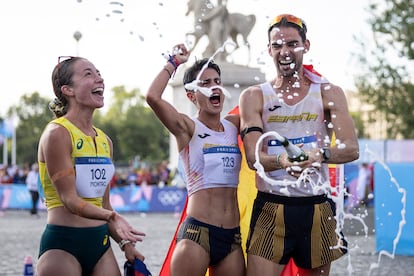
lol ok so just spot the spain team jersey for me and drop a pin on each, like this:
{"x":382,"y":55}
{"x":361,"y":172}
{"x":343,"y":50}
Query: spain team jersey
{"x":212,"y":159}
{"x":301,"y":123}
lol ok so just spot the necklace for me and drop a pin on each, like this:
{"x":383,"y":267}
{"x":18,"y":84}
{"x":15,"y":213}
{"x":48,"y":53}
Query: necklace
{"x":217,"y":128}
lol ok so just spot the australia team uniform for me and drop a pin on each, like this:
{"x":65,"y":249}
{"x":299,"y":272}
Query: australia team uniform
{"x":91,"y":159}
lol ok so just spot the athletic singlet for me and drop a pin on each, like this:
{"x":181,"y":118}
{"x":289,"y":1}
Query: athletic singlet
{"x":302,"y":122}
{"x":211,"y":159}
{"x":93,"y":166}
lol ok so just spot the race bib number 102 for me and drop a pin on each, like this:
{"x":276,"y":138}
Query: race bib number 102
{"x":93,"y":175}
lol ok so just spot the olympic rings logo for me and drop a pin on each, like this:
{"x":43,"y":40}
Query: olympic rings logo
{"x":170,"y":197}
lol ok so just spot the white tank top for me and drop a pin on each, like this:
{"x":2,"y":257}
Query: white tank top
{"x":302,"y":122}
{"x":212,"y":159}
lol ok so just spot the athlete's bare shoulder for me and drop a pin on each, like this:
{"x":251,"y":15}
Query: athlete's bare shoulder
{"x":251,"y":90}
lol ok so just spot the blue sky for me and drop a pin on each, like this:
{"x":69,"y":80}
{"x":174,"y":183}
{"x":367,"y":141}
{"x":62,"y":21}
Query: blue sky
{"x":127,"y":46}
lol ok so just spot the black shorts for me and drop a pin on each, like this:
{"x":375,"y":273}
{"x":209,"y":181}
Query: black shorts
{"x":302,"y":228}
{"x":218,"y":242}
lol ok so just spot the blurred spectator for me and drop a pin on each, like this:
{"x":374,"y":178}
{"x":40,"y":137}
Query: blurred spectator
{"x":371,"y":184}
{"x":20,"y":174}
{"x":151,"y":174}
{"x":5,"y":177}
{"x":179,"y":178}
{"x":132,"y":177}
{"x":114,"y":180}
{"x":144,"y":176}
{"x":359,"y":190}
{"x":363,"y":184}
{"x":155,"y":176}
{"x":31,"y":183}
{"x":164,"y":174}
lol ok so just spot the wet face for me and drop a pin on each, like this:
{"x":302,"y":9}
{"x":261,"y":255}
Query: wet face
{"x":287,"y":48}
{"x":214,"y":103}
{"x":87,"y":85}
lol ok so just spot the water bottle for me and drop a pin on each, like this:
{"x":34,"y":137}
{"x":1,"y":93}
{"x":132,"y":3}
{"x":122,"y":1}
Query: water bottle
{"x":295,"y":153}
{"x":28,"y":266}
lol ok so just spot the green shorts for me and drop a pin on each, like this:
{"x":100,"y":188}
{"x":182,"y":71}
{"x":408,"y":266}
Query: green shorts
{"x":302,"y":228}
{"x":86,"y":244}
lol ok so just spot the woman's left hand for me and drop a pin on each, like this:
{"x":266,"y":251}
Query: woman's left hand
{"x":131,"y":253}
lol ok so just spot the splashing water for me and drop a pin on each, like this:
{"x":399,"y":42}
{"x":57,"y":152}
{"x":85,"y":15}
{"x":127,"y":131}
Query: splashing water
{"x":337,"y":193}
{"x":402,"y":222}
{"x":306,"y":175}
{"x":117,"y":8}
{"x":341,"y":216}
{"x":125,"y":12}
{"x":298,"y":49}
{"x":208,"y":91}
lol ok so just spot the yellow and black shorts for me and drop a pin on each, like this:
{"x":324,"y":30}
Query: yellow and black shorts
{"x":218,"y":242}
{"x":302,"y":228}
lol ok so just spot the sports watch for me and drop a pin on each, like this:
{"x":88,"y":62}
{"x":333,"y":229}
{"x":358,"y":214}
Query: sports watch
{"x":326,"y":154}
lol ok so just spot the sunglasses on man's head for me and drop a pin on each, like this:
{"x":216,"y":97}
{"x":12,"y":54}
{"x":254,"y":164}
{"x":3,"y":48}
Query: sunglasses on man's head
{"x":289,"y":18}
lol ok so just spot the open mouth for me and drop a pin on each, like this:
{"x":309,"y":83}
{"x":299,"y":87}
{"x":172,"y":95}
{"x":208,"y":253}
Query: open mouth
{"x":98,"y":91}
{"x":287,"y":63}
{"x":215,"y":99}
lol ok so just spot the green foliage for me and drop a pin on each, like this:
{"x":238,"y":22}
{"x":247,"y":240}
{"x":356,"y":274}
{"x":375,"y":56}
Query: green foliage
{"x":132,"y":126}
{"x":386,"y":81}
{"x":359,"y":125}
{"x":33,"y":114}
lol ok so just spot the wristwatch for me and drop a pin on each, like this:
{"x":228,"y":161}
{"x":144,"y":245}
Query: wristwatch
{"x":326,"y":154}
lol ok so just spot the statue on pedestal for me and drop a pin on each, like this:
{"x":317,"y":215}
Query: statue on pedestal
{"x":219,"y":25}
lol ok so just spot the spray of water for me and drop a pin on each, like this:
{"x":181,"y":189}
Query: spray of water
{"x":117,"y":9}
{"x":336,"y":193}
{"x":304,"y":177}
{"x":208,"y":91}
{"x":402,"y":222}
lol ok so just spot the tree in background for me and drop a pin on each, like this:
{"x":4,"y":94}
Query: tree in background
{"x":387,"y":69}
{"x":359,"y":125}
{"x":131,"y":125}
{"x":33,"y":114}
{"x":133,"y":128}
